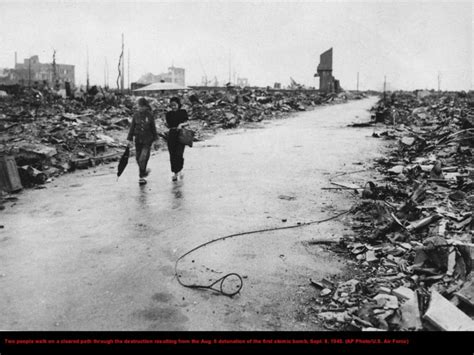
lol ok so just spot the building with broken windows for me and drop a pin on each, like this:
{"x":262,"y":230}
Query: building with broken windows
{"x":31,"y":71}
{"x":327,"y":82}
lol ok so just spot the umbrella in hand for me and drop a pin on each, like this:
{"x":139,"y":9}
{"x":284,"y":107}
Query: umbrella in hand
{"x":123,"y":162}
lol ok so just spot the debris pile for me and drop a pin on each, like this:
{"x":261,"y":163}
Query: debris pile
{"x":49,"y":135}
{"x":414,"y":242}
{"x":228,"y":109}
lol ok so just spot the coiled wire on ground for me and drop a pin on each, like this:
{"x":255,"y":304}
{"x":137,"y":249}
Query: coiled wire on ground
{"x":220,"y":282}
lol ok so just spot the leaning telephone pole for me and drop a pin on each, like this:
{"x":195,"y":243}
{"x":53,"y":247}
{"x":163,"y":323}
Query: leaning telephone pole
{"x":439,"y":81}
{"x":120,"y":70}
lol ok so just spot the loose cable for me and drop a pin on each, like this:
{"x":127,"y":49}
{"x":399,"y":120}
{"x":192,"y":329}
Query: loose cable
{"x":220,"y":281}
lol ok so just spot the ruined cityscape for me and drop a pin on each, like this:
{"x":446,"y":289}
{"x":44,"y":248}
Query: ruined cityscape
{"x":332,"y":207}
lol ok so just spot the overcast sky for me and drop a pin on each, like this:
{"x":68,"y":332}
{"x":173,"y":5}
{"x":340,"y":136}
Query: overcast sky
{"x":264,"y":41}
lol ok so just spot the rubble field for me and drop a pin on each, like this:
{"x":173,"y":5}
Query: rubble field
{"x":49,"y":135}
{"x":412,"y":245}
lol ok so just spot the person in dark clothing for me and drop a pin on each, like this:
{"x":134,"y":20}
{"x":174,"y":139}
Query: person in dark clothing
{"x":67,"y":86}
{"x":176,"y":119}
{"x":143,"y":128}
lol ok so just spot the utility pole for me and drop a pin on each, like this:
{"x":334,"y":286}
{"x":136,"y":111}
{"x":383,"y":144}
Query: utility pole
{"x":128,"y":75}
{"x":230,"y":79}
{"x":357,"y":81}
{"x":384,"y":86}
{"x":54,"y":69}
{"x":29,"y":71}
{"x":123,"y":67}
{"x":439,"y":81}
{"x":87,"y":69}
{"x":106,"y":73}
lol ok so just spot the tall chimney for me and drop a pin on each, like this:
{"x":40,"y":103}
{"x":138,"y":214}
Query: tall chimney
{"x":15,"y":59}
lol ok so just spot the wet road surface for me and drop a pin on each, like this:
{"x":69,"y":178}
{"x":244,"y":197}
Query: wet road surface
{"x":93,"y":253}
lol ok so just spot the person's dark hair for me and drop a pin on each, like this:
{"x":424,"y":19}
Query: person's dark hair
{"x":177,"y":100}
{"x":143,"y":102}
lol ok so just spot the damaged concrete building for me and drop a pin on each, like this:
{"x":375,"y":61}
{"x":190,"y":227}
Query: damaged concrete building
{"x":31,"y":71}
{"x":174,"y":75}
{"x":327,"y":83}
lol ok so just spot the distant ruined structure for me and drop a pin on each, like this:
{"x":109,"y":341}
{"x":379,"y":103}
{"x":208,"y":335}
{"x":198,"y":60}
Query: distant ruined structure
{"x":327,"y":83}
{"x":174,"y":75}
{"x":31,"y":71}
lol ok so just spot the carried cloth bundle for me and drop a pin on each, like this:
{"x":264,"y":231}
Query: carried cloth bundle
{"x":186,"y":136}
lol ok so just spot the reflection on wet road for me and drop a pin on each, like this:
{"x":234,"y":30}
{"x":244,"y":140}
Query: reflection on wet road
{"x":92,"y":253}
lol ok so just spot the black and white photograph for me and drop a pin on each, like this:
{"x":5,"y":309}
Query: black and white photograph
{"x":235,"y":173}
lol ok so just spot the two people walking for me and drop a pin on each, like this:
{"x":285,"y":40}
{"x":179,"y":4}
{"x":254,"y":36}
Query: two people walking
{"x":143,"y":130}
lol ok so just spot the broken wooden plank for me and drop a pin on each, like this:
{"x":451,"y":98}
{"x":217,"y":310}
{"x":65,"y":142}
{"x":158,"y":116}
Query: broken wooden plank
{"x":347,"y":186}
{"x":451,"y":261}
{"x":403,"y":293}
{"x":324,"y":241}
{"x":422,"y":222}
